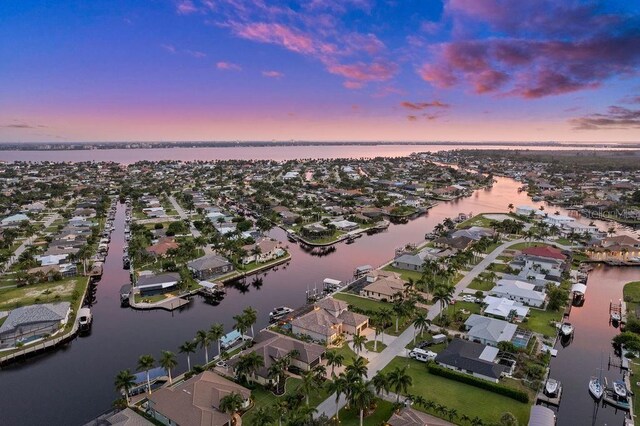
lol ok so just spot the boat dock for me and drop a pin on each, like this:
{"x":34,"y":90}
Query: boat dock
{"x":169,"y":304}
{"x":620,"y":363}
{"x":617,"y":312}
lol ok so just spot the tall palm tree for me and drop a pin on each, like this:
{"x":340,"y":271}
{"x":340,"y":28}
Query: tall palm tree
{"x":380,"y":383}
{"x":146,"y":363}
{"x":399,"y":381}
{"x":358,"y":342}
{"x":360,"y":398}
{"x":280,"y":408}
{"x":385,"y":315}
{"x":188,"y":347}
{"x":334,"y":359}
{"x":231,"y":404}
{"x":358,"y":369}
{"x":241,"y":324}
{"x":215,"y":333}
{"x":378,"y":329}
{"x":251,"y":316}
{"x":124,"y":382}
{"x":203,"y":339}
{"x":421,"y":322}
{"x":308,"y":384}
{"x":399,"y":308}
{"x":338,"y":386}
{"x":263,"y":416}
{"x":248,"y":364}
{"x":168,"y":362}
{"x":443,"y":295}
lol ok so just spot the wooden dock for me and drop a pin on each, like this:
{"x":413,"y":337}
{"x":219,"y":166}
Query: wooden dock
{"x":169,"y":304}
{"x":541,"y":398}
{"x":619,"y":310}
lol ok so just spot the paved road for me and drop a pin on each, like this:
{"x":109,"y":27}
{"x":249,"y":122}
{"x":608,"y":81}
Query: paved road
{"x":397,"y":347}
{"x":183,"y":215}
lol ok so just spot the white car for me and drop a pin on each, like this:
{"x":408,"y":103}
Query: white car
{"x":468,"y":298}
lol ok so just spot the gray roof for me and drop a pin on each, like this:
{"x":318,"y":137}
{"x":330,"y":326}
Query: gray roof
{"x":490,"y":329}
{"x":45,"y":312}
{"x":146,"y":280}
{"x":467,"y":356}
{"x":208,"y":262}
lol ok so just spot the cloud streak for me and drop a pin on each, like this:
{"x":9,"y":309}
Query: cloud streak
{"x":228,"y":66}
{"x":616,"y":117}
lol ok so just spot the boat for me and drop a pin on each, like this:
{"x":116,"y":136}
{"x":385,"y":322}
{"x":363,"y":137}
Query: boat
{"x":125,"y":292}
{"x":279,"y":312}
{"x":552,"y":388}
{"x":620,"y":389}
{"x":84,"y":319}
{"x":351,"y":239}
{"x":566,"y":329}
{"x":595,"y":388}
{"x":615,"y":317}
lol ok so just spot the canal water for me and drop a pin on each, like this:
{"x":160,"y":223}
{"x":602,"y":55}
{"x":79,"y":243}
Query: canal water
{"x":72,"y":385}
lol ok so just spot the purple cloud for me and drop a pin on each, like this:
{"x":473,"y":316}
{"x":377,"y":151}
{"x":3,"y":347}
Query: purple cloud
{"x":616,"y":117}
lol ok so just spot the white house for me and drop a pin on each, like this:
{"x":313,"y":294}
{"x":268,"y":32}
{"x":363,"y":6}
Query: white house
{"x":506,"y":309}
{"x":558,"y":219}
{"x":519,"y":291}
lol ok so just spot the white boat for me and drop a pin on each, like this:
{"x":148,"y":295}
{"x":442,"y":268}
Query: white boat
{"x":84,"y":319}
{"x":595,"y":388}
{"x":566,"y":329}
{"x":279,"y":312}
{"x":615,"y":316}
{"x":552,"y":388}
{"x":620,"y":389}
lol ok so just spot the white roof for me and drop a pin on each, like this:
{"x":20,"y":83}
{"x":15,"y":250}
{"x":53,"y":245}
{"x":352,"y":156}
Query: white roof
{"x":489,"y":353}
{"x":331,"y":281}
{"x":579,"y":288}
{"x":501,"y":307}
{"x":517,"y":288}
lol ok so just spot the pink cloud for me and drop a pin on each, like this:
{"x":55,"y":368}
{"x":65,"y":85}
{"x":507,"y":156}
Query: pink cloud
{"x":272,"y":74}
{"x":228,"y":66}
{"x":196,"y":54}
{"x":186,"y":7}
{"x":363,"y":72}
{"x":418,"y":106}
{"x":276,"y":34}
{"x":616,"y":117}
{"x":169,"y":48}
{"x":353,"y":85}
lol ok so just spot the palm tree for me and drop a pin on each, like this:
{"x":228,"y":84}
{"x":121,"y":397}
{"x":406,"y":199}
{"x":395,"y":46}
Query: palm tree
{"x":399,"y":308}
{"x":263,"y":417}
{"x":361,"y":398}
{"x":334,"y":359}
{"x":188,"y":347}
{"x":421,"y":322}
{"x":358,"y":342}
{"x":399,"y":381}
{"x":231,"y":404}
{"x":452,"y":414}
{"x":168,"y":362}
{"x":280,"y":408}
{"x":215,"y":333}
{"x":380,"y":383}
{"x":510,"y":207}
{"x":146,"y":363}
{"x":251,"y":316}
{"x":358,"y":369}
{"x":385,"y":316}
{"x":124,"y":382}
{"x":241,"y":324}
{"x":248,"y":364}
{"x":443,"y":295}
{"x":308,"y":384}
{"x":338,"y":386}
{"x":203,"y":339}
{"x":464,"y":418}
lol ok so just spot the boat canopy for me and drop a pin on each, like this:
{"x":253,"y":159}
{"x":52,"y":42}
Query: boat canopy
{"x":155,"y":373}
{"x":542,"y":416}
{"x":209,"y":285}
{"x":579,"y":288}
{"x":331,"y":281}
{"x":231,"y":337}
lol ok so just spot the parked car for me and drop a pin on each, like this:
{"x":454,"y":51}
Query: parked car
{"x":422,"y":355}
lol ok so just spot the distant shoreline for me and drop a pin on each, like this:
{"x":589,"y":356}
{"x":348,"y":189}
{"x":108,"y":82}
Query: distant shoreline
{"x":87,"y":146}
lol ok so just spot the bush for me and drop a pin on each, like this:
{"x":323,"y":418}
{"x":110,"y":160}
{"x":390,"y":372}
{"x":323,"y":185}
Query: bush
{"x":515,"y":394}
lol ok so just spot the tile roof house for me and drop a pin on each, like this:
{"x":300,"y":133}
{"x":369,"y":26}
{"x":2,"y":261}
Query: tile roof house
{"x":33,"y":322}
{"x":328,"y":319}
{"x":472,"y":358}
{"x":383,"y":285}
{"x":544,"y":251}
{"x":209,"y":266}
{"x":162,"y":247}
{"x":489,"y":331}
{"x":196,"y":401}
{"x":272,"y":346}
{"x":263,"y":250}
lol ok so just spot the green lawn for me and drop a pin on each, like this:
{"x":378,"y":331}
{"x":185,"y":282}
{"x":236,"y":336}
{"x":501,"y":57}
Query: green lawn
{"x":384,"y":410}
{"x":538,"y":321}
{"x":405,"y":275}
{"x":478,"y":284}
{"x":466,"y":399}
{"x":564,"y":242}
{"x":47,"y":292}
{"x":347,"y":353}
{"x":498,"y":267}
{"x":149,"y":299}
{"x":362,"y":302}
{"x":369,"y":345}
{"x":520,"y":246}
{"x":478,"y":220}
{"x":631,"y":291}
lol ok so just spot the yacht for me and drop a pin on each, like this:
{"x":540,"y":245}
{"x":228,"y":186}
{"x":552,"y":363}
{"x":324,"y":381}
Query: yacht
{"x":279,"y":312}
{"x":84,"y":319}
{"x":620,"y":389}
{"x":566,"y":329}
{"x":615,"y":317}
{"x":595,"y":388}
{"x":552,"y":388}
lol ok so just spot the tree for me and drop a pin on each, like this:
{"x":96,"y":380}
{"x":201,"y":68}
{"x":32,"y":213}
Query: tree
{"x":399,"y":381}
{"x":215,"y":333}
{"x":251,"y":316}
{"x":188,"y":347}
{"x":241,"y":324}
{"x":264,"y":416}
{"x":308,"y":384}
{"x":358,"y":342}
{"x":380,"y":382}
{"x":334,"y":359}
{"x":338,"y":386}
{"x":557,"y":298}
{"x":231,"y":404}
{"x":124,"y":382}
{"x":508,"y":419}
{"x":248,"y":364}
{"x":421,"y":323}
{"x":360,"y":398}
{"x":168,"y":362}
{"x":146,"y":363}
{"x":358,"y":369}
{"x":203,"y":339}
{"x":443,"y":295}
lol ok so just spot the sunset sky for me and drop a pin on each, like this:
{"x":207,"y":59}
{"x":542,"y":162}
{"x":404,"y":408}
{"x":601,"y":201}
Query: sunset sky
{"x":419,"y":70}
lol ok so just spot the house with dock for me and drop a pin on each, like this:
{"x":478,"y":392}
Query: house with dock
{"x":155,"y":284}
{"x":382,"y":285}
{"x":329,"y":319}
{"x":29,"y":323}
{"x":196,"y":401}
{"x":209,"y":266}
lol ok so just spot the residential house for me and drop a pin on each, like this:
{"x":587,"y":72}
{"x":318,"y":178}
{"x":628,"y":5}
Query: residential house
{"x":155,"y":284}
{"x":506,"y":309}
{"x":33,"y":322}
{"x":407,"y":416}
{"x":209,"y":266}
{"x":264,"y":250}
{"x":196,"y":401}
{"x":15,"y":219}
{"x":519,"y":291}
{"x":489,"y":331}
{"x":163,"y":245}
{"x":382,"y":285}
{"x":475,"y":359}
{"x":328,"y":320}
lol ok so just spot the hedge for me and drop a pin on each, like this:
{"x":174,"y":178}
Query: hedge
{"x":516,"y":394}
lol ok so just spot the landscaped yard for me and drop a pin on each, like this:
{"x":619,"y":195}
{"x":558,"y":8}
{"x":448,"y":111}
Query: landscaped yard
{"x":47,"y":292}
{"x":384,"y":410}
{"x":478,"y":220}
{"x":405,"y":275}
{"x":466,"y":399}
{"x":483,"y":285}
{"x":520,"y":246}
{"x":149,"y":299}
{"x":362,"y":302}
{"x":631,"y":294}
{"x":370,"y":343}
{"x":539,"y":321}
{"x":347,"y":354}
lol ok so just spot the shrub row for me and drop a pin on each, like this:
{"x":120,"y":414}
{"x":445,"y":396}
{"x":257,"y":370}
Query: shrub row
{"x":516,"y":394}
